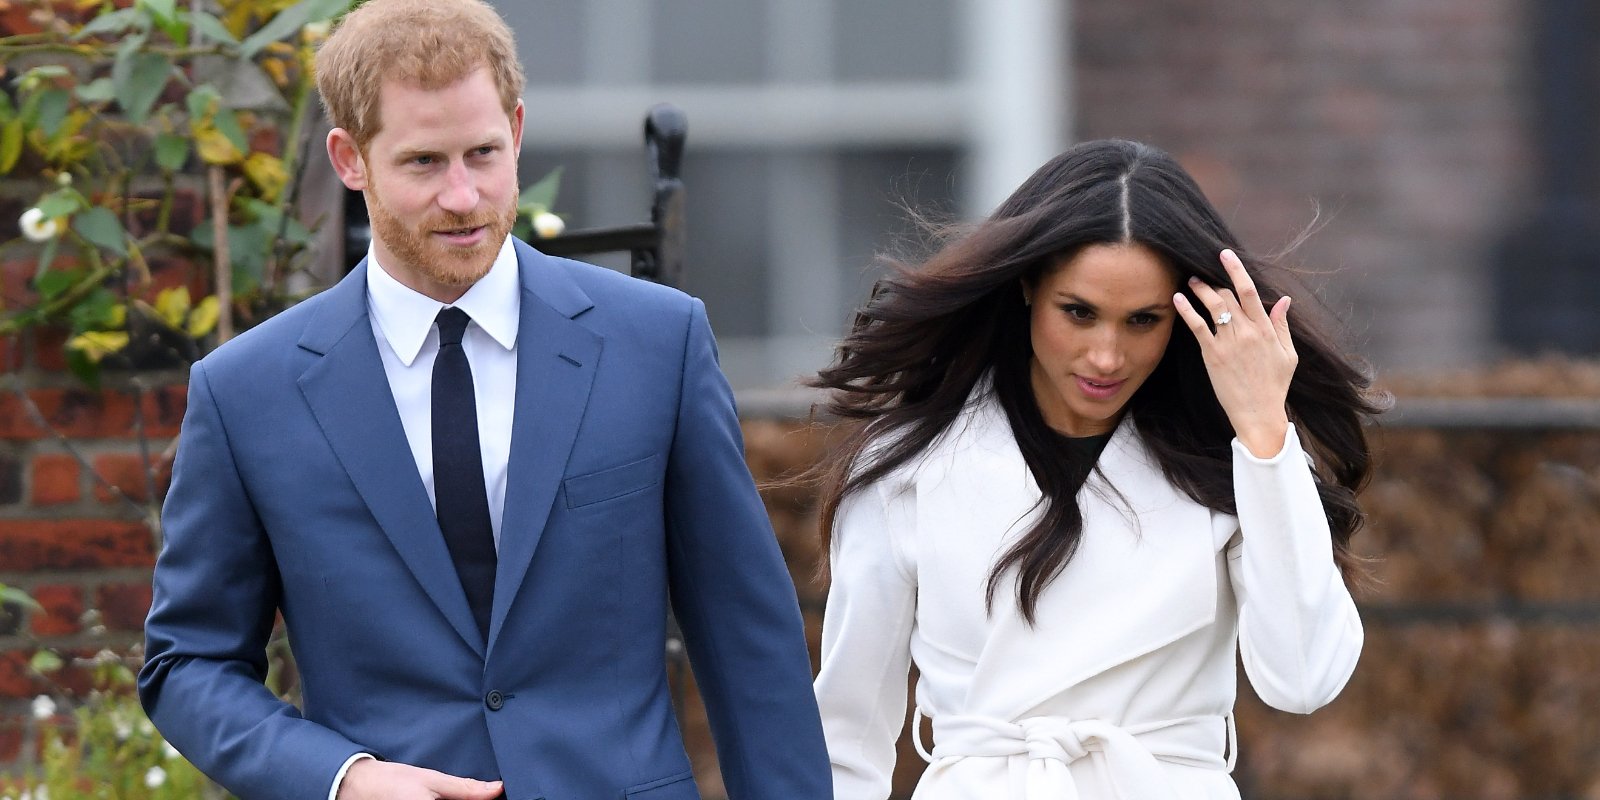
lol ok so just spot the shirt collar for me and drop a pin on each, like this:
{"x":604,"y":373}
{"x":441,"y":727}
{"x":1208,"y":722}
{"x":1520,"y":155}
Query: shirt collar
{"x":405,"y":316}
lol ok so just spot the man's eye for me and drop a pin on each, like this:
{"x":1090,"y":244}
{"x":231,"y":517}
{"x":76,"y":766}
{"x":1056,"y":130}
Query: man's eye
{"x":422,"y":160}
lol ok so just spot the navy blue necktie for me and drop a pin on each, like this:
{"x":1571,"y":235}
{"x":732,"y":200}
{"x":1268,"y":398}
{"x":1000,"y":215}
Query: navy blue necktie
{"x":460,"y":499}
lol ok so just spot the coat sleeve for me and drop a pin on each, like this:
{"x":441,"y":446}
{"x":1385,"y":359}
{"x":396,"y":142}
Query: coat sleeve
{"x":1299,"y":633}
{"x":216,"y":594}
{"x":866,"y":639}
{"x":734,"y":598}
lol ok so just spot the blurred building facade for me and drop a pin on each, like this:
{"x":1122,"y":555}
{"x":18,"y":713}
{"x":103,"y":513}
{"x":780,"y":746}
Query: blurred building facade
{"x":1441,"y":151}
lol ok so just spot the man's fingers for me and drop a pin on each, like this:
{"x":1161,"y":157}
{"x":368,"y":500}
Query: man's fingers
{"x":450,"y":787}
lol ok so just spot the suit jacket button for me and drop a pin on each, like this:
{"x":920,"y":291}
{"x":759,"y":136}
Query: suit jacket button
{"x":494,"y":700}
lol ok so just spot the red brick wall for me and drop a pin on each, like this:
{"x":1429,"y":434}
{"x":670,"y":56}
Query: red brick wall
{"x":74,"y":505}
{"x":1407,"y":121}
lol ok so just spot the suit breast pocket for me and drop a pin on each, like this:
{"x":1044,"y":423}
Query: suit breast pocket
{"x":610,"y":484}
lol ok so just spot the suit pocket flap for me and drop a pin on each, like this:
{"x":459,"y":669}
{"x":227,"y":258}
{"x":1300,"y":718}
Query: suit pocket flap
{"x":676,"y":786}
{"x":596,"y":487}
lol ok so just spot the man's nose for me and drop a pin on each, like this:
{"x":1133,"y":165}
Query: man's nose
{"x":460,"y":194}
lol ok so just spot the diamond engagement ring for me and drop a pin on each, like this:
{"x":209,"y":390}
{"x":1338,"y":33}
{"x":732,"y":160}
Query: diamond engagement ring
{"x":1225,"y":318}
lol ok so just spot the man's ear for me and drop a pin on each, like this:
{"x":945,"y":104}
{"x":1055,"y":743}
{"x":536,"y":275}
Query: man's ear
{"x":347,"y":160}
{"x":516,"y":130}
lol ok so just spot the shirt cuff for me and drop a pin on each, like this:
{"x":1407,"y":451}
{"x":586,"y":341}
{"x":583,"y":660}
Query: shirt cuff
{"x":338,"y":777}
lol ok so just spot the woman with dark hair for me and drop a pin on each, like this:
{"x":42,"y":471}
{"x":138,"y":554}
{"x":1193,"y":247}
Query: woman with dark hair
{"x":1086,"y":461}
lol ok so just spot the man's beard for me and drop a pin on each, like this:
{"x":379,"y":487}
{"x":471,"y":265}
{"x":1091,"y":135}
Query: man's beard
{"x":443,"y":264}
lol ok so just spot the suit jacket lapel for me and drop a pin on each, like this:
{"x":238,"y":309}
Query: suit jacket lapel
{"x":556,"y":362}
{"x":348,"y":393}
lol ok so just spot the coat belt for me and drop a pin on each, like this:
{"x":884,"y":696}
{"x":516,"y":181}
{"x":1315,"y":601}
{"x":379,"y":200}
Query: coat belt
{"x":1130,"y":754}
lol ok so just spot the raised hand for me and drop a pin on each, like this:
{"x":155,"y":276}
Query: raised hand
{"x":370,"y":779}
{"x":1250,"y":357}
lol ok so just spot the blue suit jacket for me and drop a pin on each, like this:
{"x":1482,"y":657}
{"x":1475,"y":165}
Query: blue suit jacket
{"x":294,"y":490}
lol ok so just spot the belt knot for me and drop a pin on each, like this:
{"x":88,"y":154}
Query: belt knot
{"x":1054,"y":738}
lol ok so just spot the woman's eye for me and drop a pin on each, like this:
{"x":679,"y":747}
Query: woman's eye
{"x":1078,"y":312}
{"x":1143,"y":320}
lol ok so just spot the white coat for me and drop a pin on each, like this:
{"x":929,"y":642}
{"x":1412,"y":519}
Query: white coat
{"x":1125,"y":687}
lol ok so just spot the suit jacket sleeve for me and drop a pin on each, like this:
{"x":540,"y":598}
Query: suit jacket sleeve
{"x":734,"y":598}
{"x":1299,"y":633}
{"x":215,"y":599}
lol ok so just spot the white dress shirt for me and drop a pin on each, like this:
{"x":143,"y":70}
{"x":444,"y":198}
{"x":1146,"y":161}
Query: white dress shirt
{"x":408,"y":342}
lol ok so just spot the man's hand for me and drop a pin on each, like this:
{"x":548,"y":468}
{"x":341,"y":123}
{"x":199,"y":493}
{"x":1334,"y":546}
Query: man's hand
{"x":370,"y":779}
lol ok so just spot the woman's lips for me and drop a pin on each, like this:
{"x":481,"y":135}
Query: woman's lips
{"x":1098,"y":389}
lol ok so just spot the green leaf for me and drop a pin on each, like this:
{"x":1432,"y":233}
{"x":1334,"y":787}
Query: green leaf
{"x":96,"y":312}
{"x":100,"y":226}
{"x":140,"y":78}
{"x":541,"y":196}
{"x":247,"y":249}
{"x":97,"y":91}
{"x":50,"y":110}
{"x":52,"y":282}
{"x":34,"y":78}
{"x":86,"y":369}
{"x":172,"y":151}
{"x":228,"y":125}
{"x":10,"y":144}
{"x":61,"y":202}
{"x":112,"y":24}
{"x":211,"y":28}
{"x":160,"y":9}
{"x":201,"y":100}
{"x":15,"y":596}
{"x":290,"y":21}
{"x":47,"y":256}
{"x":8,"y":110}
{"x":45,"y":662}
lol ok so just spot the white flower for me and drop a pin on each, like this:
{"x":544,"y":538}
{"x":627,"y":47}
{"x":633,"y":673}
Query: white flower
{"x":169,"y":752}
{"x":37,"y":227}
{"x":547,"y":225}
{"x":122,"y":728}
{"x":155,"y":777}
{"x":317,"y":31}
{"x":43,"y":707}
{"x":63,"y":178}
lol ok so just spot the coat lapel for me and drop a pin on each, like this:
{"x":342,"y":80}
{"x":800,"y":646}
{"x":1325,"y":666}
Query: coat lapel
{"x":556,"y":362}
{"x":1144,"y":574}
{"x":348,"y":393}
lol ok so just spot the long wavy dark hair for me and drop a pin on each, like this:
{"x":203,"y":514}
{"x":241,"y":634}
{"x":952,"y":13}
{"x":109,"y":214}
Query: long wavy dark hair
{"x":932,"y":331}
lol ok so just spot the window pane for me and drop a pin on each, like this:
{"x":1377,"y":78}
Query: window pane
{"x":549,"y":38}
{"x":727,"y":238}
{"x":875,"y":187}
{"x":896,"y":40}
{"x":710,"y":41}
